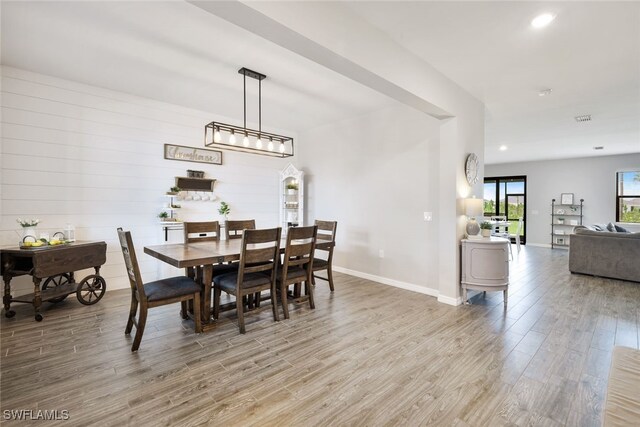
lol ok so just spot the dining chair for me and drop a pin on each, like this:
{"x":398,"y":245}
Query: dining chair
{"x":297,"y":266}
{"x":153,"y":294}
{"x":516,"y":236}
{"x":207,"y":231}
{"x":326,"y":241}
{"x":505,"y":235}
{"x":234,"y":229}
{"x":258,"y":266}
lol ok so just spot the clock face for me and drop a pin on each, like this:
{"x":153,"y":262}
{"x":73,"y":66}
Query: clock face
{"x":471,"y":168}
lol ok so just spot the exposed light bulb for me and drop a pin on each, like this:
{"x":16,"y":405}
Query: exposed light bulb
{"x":245,"y":140}
{"x":232,"y":138}
{"x":282,"y":146}
{"x":270,"y":145}
{"x":259,"y":143}
{"x":543,"y":20}
{"x":216,"y":135}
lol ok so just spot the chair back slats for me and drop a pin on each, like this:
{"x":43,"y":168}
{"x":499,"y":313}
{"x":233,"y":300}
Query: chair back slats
{"x":301,"y":242}
{"x":326,"y":233}
{"x":207,"y":231}
{"x":260,"y":252}
{"x":131,"y":262}
{"x":235,"y":229}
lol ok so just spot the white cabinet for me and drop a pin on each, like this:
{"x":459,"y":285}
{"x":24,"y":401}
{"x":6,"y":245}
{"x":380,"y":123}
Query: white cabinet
{"x":291,"y":197}
{"x":485,"y":265}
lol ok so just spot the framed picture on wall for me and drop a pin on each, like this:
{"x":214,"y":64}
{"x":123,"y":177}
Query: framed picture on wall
{"x":566,"y":199}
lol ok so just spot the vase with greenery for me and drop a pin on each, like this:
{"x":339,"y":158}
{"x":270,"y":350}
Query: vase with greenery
{"x":224,"y":210}
{"x":485,"y":228}
{"x":292,"y":187}
{"x":164,"y":216}
{"x":28,"y":227}
{"x":560,"y":220}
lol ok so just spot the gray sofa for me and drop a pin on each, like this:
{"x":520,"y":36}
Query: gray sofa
{"x":605,"y":254}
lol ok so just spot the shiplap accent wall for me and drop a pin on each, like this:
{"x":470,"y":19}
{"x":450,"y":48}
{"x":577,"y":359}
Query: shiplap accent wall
{"x":73,"y":153}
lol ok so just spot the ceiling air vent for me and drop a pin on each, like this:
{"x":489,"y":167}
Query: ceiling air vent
{"x":583,"y":118}
{"x":598,"y":147}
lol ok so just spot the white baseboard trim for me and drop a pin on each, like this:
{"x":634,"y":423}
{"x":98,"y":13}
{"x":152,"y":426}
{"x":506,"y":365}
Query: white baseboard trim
{"x":391,"y":282}
{"x":449,"y":300}
{"x":539,"y":245}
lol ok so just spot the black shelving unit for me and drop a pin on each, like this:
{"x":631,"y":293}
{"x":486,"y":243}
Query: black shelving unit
{"x":560,"y":226}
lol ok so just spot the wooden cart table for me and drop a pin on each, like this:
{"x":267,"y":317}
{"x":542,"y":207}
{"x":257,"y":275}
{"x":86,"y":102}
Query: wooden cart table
{"x":57,"y":265}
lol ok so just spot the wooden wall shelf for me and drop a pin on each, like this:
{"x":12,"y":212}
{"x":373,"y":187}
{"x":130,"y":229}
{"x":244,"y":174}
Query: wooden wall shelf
{"x":194,"y":184}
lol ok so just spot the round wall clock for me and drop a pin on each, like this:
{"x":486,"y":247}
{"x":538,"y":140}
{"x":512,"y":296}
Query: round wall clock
{"x":471,"y":168}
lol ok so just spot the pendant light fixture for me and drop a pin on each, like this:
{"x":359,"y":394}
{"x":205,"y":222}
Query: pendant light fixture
{"x":223,"y":136}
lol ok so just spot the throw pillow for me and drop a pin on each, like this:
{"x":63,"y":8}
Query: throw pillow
{"x":599,"y":227}
{"x":611,"y":227}
{"x":621,"y":229}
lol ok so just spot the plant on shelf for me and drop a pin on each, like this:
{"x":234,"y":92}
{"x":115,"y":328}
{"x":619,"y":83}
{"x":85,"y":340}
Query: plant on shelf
{"x":292,"y":186}
{"x":173,"y":191}
{"x":224,"y":209}
{"x":163,"y":216}
{"x":486,"y":228}
{"x":560,"y":220}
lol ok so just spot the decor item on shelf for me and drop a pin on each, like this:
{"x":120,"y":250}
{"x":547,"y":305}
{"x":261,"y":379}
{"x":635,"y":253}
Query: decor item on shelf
{"x":28,"y":227}
{"x":265,"y":143}
{"x":473,"y":208}
{"x":486,"y":228}
{"x":173,"y":191}
{"x":292,"y":188}
{"x":560,"y":220}
{"x":560,"y":211}
{"x":195,"y":174}
{"x":224,"y":209}
{"x":566,"y":198}
{"x":164,"y":216}
{"x":471,"y":168}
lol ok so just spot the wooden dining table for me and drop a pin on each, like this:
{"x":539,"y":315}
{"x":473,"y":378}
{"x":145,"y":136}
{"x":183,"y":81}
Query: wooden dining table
{"x":200,"y":258}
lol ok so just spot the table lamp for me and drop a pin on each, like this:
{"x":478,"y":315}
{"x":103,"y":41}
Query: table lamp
{"x":473,"y":208}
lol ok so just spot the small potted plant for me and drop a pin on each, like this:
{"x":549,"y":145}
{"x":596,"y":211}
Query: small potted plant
{"x":225,"y":210}
{"x":292,"y":188}
{"x":560,"y":220}
{"x":163,"y":216}
{"x":174,"y":191}
{"x":485,"y":228}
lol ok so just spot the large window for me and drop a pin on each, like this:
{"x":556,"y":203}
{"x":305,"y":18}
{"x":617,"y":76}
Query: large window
{"x":506,"y":196}
{"x":628,"y":196}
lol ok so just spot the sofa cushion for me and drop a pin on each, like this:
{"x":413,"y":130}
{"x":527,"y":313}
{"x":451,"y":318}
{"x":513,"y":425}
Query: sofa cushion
{"x":621,"y":229}
{"x":611,"y":228}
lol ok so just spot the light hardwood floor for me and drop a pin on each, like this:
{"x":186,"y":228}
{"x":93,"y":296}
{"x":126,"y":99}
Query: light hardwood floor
{"x":368,"y":355}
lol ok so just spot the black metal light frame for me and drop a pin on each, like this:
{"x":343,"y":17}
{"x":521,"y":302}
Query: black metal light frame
{"x":280,"y":142}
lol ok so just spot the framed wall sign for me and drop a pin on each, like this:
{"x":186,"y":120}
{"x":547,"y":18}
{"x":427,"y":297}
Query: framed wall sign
{"x":566,"y":199}
{"x":192,"y":154}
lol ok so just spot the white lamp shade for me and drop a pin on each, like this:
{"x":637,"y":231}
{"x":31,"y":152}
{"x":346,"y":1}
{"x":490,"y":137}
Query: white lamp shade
{"x":474,"y":207}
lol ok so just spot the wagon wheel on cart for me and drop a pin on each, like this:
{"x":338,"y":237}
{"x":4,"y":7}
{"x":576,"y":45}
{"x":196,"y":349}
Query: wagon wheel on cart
{"x":91,"y":289}
{"x":54,"y":282}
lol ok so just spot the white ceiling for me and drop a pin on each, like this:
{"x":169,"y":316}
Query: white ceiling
{"x":177,"y":53}
{"x":589,"y":56}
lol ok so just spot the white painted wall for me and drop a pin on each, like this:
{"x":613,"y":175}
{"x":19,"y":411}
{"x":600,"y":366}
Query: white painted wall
{"x":94,"y":158}
{"x":376,"y":175}
{"x":592,"y":179}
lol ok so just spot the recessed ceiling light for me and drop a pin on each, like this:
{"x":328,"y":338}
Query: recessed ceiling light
{"x":545,"y":92}
{"x":543,"y":20}
{"x":503,"y":148}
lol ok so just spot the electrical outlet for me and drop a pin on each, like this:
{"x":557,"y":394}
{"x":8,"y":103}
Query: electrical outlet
{"x":381,"y":253}
{"x":428,"y":216}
